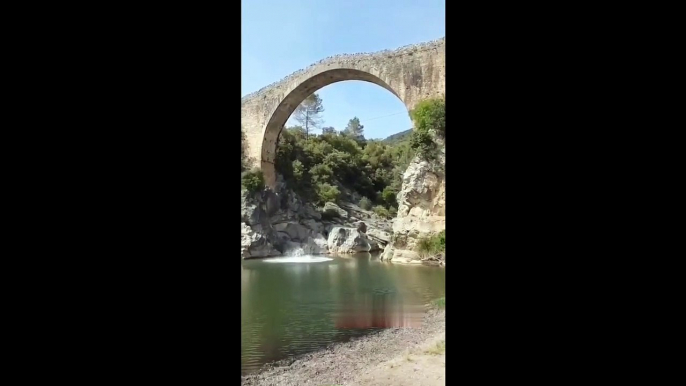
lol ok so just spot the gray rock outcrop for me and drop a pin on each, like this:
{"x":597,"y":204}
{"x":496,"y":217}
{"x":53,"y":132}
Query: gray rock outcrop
{"x":421,"y":209}
{"x":347,"y":240}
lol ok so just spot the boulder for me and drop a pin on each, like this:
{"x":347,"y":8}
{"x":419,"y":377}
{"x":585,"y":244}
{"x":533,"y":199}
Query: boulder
{"x":254,"y":244}
{"x":313,"y":245}
{"x":331,"y":207}
{"x":347,"y":240}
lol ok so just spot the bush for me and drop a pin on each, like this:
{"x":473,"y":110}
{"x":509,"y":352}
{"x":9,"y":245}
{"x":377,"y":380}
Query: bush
{"x":252,"y":180}
{"x":381,"y":211}
{"x":423,"y":144}
{"x":428,"y":115}
{"x":327,"y":193}
{"x":365,"y":203}
{"x":393,"y":212}
{"x":388,"y":196}
{"x":431,"y":245}
{"x":321,"y":173}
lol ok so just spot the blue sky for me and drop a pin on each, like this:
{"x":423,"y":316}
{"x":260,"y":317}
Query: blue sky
{"x":279,"y":37}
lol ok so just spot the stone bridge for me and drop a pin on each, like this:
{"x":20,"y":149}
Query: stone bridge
{"x":411,"y":73}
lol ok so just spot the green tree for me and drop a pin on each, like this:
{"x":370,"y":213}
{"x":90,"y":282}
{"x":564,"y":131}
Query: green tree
{"x":327,"y":193}
{"x":354,"y":129}
{"x":429,"y":115}
{"x":328,"y":130}
{"x":308,"y":113}
{"x":252,"y":180}
{"x":389,"y":196}
{"x":429,"y":121}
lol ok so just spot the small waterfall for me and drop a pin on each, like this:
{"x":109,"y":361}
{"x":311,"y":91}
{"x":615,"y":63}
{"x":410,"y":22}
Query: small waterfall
{"x":295,"y":252}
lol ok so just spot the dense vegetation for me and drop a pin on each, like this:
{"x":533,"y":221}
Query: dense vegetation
{"x":398,"y":137}
{"x":338,"y":165}
{"x":329,"y":166}
{"x":429,"y":121}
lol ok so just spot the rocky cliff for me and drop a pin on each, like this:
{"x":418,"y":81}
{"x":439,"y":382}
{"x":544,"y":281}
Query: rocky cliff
{"x":421,"y":208}
{"x":276,"y":223}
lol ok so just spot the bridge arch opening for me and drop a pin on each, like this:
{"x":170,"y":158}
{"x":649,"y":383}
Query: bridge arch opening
{"x":293,"y":99}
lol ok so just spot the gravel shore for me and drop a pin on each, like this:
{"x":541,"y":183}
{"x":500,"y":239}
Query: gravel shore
{"x":393,"y":356}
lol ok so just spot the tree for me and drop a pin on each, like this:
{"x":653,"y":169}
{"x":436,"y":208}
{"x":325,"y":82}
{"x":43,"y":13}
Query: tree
{"x":429,"y":121}
{"x":328,"y":130}
{"x":429,"y":115}
{"x":308,"y":113}
{"x":354,"y":129}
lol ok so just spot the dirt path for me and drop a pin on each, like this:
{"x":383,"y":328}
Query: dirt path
{"x":405,"y":356}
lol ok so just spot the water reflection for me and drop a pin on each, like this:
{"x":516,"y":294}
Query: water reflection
{"x":294,"y":308}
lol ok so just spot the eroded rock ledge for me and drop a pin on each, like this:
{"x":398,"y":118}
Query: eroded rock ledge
{"x":421,"y":211}
{"x":280,"y":223}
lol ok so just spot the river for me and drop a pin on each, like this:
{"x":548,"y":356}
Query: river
{"x":292,"y":306}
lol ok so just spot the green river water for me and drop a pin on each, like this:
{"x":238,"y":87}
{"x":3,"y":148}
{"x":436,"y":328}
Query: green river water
{"x":292,"y":306}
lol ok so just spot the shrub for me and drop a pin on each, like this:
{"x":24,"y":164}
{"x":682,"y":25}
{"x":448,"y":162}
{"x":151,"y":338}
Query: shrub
{"x":381,"y":211}
{"x":252,"y":180}
{"x":431,"y":245}
{"x":423,"y":144}
{"x":321,"y":173}
{"x":327,"y":193}
{"x":365,"y":203}
{"x":392,"y":211}
{"x":428,"y":115}
{"x":388,"y":196}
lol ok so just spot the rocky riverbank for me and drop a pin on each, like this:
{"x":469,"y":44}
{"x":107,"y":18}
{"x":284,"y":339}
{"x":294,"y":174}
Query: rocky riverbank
{"x":399,"y":356}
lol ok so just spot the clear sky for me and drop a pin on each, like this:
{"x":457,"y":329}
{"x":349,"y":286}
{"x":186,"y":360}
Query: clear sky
{"x":279,"y":37}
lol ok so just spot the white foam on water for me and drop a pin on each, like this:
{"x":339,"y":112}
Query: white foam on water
{"x":299,"y":259}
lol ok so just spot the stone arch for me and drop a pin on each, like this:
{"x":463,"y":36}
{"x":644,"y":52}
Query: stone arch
{"x":411,"y":73}
{"x":284,"y":110}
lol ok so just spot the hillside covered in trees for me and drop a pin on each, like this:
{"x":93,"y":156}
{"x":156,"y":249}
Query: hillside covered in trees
{"x":343,"y":165}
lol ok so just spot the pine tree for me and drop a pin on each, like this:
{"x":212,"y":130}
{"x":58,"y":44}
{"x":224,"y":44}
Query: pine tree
{"x":308,"y":113}
{"x":354,"y":129}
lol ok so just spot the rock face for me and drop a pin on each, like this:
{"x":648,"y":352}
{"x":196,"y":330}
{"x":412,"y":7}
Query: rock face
{"x":275,"y":223}
{"x":255,"y":245}
{"x":333,"y":208}
{"x":347,"y":240}
{"x":421,"y":209}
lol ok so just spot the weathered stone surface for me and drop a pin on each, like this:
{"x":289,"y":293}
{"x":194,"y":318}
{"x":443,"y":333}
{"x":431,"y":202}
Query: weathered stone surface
{"x":421,"y":209}
{"x":330,"y":206}
{"x":317,"y":244}
{"x":255,"y":245}
{"x":347,"y":240}
{"x":411,"y":73}
{"x":373,"y":245}
{"x":295,"y":232}
{"x":313,"y":225}
{"x":379,"y":235}
{"x":400,"y":255}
